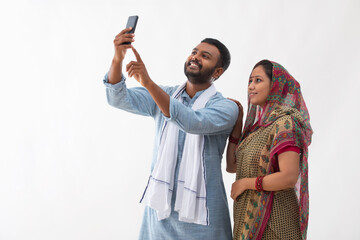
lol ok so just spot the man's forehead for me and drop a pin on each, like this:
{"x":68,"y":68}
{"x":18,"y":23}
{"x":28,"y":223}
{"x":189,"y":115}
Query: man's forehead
{"x":206,"y":47}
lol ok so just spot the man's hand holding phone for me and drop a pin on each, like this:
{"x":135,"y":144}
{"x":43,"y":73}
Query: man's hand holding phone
{"x":120,"y":48}
{"x":120,"y":44}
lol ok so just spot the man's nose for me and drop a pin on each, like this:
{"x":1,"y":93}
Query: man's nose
{"x":195,"y":57}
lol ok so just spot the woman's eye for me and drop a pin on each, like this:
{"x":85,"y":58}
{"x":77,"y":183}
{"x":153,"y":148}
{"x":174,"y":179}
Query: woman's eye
{"x":258,"y":80}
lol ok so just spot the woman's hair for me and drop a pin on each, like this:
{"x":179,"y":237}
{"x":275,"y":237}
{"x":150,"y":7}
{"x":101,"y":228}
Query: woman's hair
{"x":268,"y":67}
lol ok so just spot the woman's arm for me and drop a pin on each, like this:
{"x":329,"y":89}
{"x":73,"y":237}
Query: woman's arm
{"x":231,"y":158}
{"x":236,"y":133}
{"x":284,"y":179}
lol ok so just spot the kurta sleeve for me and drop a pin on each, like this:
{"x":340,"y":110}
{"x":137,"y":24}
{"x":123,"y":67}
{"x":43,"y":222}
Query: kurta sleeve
{"x":218,"y":116}
{"x":135,"y":100}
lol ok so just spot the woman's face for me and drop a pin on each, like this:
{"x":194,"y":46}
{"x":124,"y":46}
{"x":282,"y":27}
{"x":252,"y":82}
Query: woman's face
{"x":259,"y":86}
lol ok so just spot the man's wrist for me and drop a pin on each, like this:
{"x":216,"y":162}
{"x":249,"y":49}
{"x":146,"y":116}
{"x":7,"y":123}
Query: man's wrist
{"x":117,"y":60}
{"x":148,"y":84}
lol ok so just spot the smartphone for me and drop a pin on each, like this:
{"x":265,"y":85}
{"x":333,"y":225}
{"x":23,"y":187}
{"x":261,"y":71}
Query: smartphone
{"x":132,"y":21}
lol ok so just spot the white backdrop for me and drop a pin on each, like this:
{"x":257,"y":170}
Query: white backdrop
{"x":72,"y":167}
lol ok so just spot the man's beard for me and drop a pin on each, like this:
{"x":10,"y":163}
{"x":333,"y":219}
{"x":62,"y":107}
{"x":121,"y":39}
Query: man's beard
{"x":199,"y":77}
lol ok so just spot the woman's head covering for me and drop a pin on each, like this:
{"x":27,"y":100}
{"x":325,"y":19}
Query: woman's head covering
{"x":285,"y":93}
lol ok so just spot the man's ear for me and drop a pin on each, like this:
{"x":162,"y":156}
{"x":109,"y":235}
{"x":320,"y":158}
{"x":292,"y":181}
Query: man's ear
{"x":218,"y":72}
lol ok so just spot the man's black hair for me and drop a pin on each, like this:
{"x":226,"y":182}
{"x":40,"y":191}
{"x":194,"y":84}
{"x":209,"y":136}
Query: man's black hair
{"x":224,"y":52}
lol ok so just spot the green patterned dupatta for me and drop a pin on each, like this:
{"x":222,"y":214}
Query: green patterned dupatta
{"x":285,"y":98}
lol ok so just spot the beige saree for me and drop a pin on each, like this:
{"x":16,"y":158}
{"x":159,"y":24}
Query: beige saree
{"x":267,"y":215}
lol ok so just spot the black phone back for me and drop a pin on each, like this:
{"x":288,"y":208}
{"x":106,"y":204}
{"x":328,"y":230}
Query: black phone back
{"x":132,"y":21}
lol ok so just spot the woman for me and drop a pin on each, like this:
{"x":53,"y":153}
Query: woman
{"x":270,"y":160}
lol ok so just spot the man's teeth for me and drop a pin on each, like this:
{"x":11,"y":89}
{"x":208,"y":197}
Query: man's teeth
{"x":194,"y":64}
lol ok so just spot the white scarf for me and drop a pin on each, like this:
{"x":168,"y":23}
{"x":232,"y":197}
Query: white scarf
{"x":191,"y":189}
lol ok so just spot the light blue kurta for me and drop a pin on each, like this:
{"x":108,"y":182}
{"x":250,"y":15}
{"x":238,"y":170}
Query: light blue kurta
{"x":215,"y":122}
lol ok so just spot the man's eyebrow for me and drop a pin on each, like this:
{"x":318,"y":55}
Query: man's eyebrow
{"x":202,"y":51}
{"x":207,"y":53}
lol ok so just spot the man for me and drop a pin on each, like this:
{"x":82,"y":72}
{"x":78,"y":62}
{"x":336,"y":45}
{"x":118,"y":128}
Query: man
{"x":185,"y":196}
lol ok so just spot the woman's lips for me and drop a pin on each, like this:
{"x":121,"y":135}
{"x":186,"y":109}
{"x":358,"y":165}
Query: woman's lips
{"x":251,"y":95}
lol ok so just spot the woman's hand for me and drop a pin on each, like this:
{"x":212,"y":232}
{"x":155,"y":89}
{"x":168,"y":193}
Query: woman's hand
{"x":238,"y":187}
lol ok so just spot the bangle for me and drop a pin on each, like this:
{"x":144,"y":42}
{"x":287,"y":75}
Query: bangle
{"x":233,"y":140}
{"x":258,"y":183}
